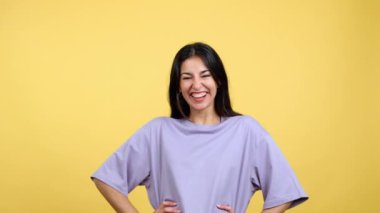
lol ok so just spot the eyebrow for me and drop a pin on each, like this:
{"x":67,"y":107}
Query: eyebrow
{"x":187,"y":73}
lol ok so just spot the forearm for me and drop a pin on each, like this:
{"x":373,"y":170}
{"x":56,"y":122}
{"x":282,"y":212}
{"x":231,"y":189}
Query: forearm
{"x":117,"y":200}
{"x":278,"y":209}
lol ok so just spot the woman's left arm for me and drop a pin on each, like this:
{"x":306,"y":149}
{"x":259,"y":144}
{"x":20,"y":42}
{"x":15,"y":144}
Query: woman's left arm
{"x":278,"y":209}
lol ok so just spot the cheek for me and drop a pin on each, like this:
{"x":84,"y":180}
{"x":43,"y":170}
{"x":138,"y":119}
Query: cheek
{"x":212,"y":86}
{"x":183,"y":85}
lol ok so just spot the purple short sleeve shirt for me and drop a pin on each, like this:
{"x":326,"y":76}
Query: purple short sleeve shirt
{"x":200,"y":166}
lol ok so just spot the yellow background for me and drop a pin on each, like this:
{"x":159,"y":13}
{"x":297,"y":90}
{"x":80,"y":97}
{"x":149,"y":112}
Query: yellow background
{"x":77,"y":78}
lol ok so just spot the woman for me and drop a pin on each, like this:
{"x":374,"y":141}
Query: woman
{"x":205,"y":157}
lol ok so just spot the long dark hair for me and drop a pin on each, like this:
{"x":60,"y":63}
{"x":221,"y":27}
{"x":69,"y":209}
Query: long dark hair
{"x":178,"y":105}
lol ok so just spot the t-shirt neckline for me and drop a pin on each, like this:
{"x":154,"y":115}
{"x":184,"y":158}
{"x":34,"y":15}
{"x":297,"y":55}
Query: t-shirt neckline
{"x":192,"y":125}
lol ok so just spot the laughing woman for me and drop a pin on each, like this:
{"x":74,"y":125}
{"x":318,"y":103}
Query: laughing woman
{"x":205,"y":157}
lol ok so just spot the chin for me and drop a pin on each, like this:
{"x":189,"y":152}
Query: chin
{"x":199,"y":108}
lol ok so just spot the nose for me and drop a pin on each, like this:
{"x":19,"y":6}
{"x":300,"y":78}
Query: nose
{"x":197,"y":84}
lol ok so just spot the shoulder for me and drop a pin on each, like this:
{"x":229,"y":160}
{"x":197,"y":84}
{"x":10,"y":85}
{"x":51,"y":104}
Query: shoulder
{"x":250,"y":121}
{"x":160,"y":120}
{"x":252,"y":125}
{"x":149,"y":129}
{"x":157,"y":122}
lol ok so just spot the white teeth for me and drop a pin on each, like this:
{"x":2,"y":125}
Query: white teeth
{"x":198,"y":95}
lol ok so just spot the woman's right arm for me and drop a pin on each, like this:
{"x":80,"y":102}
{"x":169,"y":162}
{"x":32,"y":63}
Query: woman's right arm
{"x":117,"y":200}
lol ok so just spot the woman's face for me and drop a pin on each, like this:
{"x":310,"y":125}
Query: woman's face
{"x":197,"y":85}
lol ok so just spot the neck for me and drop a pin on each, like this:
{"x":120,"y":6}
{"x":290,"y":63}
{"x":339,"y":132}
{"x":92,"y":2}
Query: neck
{"x":204,"y":118}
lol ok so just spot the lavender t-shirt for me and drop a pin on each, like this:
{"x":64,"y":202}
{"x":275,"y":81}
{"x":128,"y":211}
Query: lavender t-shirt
{"x":200,"y":166}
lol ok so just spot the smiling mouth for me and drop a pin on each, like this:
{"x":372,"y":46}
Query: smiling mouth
{"x":198,"y":94}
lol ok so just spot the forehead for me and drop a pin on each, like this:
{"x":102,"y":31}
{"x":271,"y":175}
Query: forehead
{"x":193,"y":65}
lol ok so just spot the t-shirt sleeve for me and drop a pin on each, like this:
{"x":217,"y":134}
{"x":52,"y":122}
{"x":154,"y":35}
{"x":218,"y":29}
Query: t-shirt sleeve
{"x":273,"y":174}
{"x":129,"y":165}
